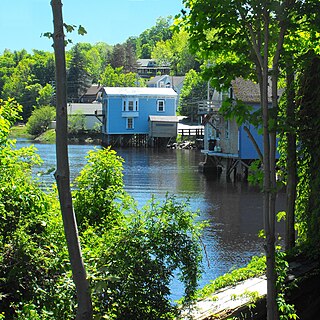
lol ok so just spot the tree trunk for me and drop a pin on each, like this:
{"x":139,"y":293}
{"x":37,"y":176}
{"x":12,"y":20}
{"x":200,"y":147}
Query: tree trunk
{"x":291,"y":160}
{"x":269,"y":198}
{"x":62,"y":174}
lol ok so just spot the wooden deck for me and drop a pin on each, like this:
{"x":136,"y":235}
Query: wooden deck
{"x":225,"y":302}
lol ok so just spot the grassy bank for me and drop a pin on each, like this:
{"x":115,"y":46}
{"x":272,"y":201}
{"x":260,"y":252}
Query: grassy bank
{"x":19,"y":131}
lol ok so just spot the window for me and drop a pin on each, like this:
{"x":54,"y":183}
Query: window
{"x":160,"y":106}
{"x":227,"y":128}
{"x":130,"y":123}
{"x":130,"y":104}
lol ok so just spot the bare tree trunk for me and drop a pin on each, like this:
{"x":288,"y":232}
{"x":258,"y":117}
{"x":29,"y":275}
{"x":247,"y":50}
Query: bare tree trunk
{"x":269,"y":199}
{"x":291,"y":160}
{"x":62,"y":174}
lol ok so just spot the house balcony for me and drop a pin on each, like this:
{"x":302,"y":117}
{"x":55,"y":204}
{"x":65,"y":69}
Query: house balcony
{"x":208,"y":107}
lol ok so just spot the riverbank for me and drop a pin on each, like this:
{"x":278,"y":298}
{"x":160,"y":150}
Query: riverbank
{"x":49,"y":136}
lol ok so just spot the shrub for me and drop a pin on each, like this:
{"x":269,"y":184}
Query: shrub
{"x":40,"y":120}
{"x":134,"y":253}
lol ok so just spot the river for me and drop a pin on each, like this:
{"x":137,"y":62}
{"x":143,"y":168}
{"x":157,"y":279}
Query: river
{"x":234,"y":210}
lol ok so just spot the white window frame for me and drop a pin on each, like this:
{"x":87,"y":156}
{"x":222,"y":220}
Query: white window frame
{"x":130,"y":105}
{"x":161,"y":104}
{"x":128,"y":125}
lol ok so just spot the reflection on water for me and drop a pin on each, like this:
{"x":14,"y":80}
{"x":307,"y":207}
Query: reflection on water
{"x":234,"y":210}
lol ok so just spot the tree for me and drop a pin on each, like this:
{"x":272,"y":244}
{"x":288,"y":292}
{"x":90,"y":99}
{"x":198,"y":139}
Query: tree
{"x":78,"y":79}
{"x":45,"y":97}
{"x":62,"y":173}
{"x":308,"y":101}
{"x":176,"y":53}
{"x":23,"y":86}
{"x":40,"y":120}
{"x":148,"y":38}
{"x":246,"y":38}
{"x":117,"y":78}
{"x":7,"y":65}
{"x":194,"y":90}
{"x":136,"y":252}
{"x":42,"y":67}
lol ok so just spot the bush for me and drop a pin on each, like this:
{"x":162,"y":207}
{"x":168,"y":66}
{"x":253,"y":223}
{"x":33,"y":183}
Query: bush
{"x":131,"y":255}
{"x":76,"y":122}
{"x":135,"y":253}
{"x":40,"y":120}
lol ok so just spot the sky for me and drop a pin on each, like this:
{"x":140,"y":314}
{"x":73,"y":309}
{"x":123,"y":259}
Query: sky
{"x":22,"y":22}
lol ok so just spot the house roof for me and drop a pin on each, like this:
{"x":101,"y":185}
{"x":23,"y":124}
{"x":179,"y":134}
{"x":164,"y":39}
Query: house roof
{"x":156,"y":79}
{"x":93,"y":90}
{"x":84,"y":108}
{"x":248,"y":91}
{"x":175,"y":80}
{"x":163,"y":118}
{"x":139,"y":91}
{"x":147,"y":63}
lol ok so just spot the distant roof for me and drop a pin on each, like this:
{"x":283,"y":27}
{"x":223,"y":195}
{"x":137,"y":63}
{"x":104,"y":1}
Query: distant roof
{"x":164,"y":118}
{"x":248,"y":91}
{"x":139,"y":91}
{"x":145,"y":62}
{"x":149,"y":63}
{"x":84,"y":108}
{"x":175,"y":80}
{"x":93,"y":90}
{"x":156,"y":79}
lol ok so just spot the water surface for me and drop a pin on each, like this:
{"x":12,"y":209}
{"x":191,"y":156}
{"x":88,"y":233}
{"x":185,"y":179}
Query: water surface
{"x":234,"y":210}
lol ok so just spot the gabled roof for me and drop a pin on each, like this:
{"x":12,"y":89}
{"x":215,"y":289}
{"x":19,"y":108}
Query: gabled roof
{"x":156,"y":79}
{"x":248,"y":91}
{"x":139,"y":91}
{"x":175,"y":81}
{"x":144,"y":63}
{"x":84,"y":108}
{"x":93,"y":90}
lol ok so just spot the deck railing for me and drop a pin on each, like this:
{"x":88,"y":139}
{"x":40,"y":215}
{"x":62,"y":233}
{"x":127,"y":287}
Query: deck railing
{"x":191,"y":132}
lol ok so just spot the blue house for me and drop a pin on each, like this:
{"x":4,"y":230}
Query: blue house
{"x":226,"y":144}
{"x":127,"y":110}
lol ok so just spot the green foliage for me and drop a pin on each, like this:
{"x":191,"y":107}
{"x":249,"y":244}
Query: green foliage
{"x":308,"y":204}
{"x":33,"y":255}
{"x":9,"y":113}
{"x":147,"y":40}
{"x":45,"y":96}
{"x":49,"y":136}
{"x":255,"y":177}
{"x":256,"y":267}
{"x":287,"y":311}
{"x":40,"y":120}
{"x":76,"y":122}
{"x":140,"y":257}
{"x":134,"y":253}
{"x":117,"y":78}
{"x":175,"y":52}
{"x":99,"y":184}
{"x":78,"y":78}
{"x":194,"y":90}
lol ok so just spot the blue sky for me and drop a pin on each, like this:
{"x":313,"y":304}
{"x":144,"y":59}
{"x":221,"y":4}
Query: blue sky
{"x":112,"y":21}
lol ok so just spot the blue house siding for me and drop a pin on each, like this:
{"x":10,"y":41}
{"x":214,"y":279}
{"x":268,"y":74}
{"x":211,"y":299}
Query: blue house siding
{"x":127,"y":110}
{"x":246,"y":148}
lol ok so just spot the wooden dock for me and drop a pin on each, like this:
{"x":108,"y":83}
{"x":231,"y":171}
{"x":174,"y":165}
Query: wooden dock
{"x":226,"y":302}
